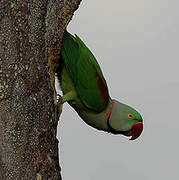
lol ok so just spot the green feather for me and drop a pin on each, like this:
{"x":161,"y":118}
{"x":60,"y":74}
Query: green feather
{"x":85,"y":73}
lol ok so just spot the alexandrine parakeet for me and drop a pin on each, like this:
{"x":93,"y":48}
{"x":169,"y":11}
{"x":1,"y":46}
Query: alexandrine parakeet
{"x":85,"y":89}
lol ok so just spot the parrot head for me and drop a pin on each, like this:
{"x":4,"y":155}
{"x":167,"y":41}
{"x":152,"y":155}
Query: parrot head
{"x":123,"y":119}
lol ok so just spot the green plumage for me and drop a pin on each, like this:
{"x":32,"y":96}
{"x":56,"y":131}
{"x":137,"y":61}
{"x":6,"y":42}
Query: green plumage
{"x":85,"y":89}
{"x":84,"y":72}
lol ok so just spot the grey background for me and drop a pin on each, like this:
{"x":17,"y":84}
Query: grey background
{"x":136,"y":43}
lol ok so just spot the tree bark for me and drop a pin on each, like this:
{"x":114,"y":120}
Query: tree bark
{"x":30,"y":39}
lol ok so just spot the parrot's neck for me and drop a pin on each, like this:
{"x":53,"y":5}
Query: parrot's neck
{"x":97,"y":120}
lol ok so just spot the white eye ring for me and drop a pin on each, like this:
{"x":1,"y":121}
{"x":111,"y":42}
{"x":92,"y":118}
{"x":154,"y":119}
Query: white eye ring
{"x":130,"y":116}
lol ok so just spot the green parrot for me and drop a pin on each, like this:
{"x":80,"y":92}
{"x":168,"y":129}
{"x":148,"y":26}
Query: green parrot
{"x":85,"y":89}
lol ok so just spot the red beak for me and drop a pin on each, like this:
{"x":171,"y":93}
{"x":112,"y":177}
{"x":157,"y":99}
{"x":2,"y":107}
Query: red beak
{"x":136,"y":130}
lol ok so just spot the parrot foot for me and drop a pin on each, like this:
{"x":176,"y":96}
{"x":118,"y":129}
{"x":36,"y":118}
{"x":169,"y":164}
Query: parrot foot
{"x":59,"y":105}
{"x":58,"y":98}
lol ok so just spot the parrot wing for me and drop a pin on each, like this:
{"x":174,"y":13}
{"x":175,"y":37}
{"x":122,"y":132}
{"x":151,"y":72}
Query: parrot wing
{"x":85,"y":73}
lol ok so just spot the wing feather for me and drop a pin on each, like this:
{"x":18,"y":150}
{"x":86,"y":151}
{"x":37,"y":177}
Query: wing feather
{"x":85,"y":73}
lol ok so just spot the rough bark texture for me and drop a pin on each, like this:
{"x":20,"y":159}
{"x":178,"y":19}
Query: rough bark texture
{"x":30,"y":40}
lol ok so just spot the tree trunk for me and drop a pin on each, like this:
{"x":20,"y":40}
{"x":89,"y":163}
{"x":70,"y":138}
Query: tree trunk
{"x":30,"y":39}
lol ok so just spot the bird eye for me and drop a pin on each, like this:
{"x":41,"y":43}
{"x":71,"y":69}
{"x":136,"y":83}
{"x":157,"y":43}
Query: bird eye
{"x":130,"y":116}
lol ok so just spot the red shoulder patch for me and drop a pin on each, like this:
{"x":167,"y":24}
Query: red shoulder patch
{"x":103,"y":88}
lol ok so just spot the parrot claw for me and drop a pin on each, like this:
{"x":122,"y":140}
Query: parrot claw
{"x":59,"y":98}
